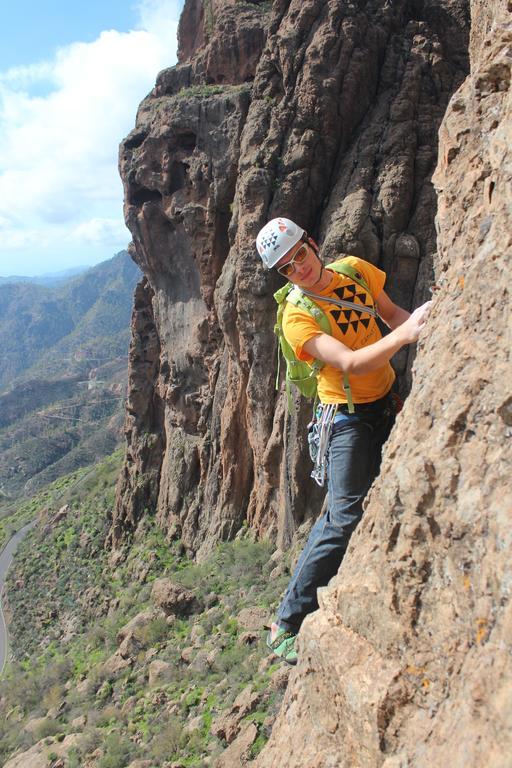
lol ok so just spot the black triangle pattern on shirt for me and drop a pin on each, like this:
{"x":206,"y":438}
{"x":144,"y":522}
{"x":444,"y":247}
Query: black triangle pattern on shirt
{"x":343,"y":290}
{"x":349,"y":317}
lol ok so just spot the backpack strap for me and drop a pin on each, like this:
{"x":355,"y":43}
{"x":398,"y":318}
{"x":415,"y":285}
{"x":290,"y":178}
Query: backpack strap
{"x":302,"y":300}
{"x":345,"y":304}
{"x":342,"y":267}
{"x":294,"y":367}
{"x":298,"y":298}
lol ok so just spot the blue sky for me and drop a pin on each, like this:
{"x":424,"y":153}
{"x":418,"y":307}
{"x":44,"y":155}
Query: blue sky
{"x":32,"y":31}
{"x":71,"y":78}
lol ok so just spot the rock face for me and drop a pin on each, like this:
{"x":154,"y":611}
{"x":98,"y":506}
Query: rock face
{"x":411,"y":646}
{"x":324,"y":112}
{"x":329,"y":113}
{"x":38,"y":756}
{"x":139,"y":481}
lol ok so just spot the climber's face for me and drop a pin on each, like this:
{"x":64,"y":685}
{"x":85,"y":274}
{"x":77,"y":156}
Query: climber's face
{"x":300,"y":265}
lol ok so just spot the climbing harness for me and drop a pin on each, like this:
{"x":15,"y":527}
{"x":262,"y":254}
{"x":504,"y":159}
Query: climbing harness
{"x":319,"y":432}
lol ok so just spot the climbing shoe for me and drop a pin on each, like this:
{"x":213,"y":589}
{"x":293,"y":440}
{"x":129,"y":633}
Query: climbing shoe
{"x":281,"y":642}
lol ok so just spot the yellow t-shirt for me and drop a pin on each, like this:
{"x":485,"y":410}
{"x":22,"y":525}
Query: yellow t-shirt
{"x":352,"y":328}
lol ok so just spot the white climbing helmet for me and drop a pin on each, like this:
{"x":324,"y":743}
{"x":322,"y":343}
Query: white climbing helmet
{"x":276,"y":238}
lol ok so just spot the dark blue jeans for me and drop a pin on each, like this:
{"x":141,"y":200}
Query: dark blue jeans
{"x":353,"y":463}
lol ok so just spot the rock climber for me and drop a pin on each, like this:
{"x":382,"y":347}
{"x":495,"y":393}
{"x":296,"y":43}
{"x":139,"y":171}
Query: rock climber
{"x":355,"y":347}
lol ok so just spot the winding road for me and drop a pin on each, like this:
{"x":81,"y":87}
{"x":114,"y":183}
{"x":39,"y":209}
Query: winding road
{"x":5,"y":561}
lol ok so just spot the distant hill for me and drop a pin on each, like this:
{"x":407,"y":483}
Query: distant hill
{"x":52,"y":331}
{"x":63,"y":371}
{"x":50,"y":279}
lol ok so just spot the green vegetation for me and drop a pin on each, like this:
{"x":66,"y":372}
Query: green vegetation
{"x":205,"y":90}
{"x":200,"y":90}
{"x":14,"y":516}
{"x":48,"y":332}
{"x":181,"y":673}
{"x":64,"y":359}
{"x":264,"y":6}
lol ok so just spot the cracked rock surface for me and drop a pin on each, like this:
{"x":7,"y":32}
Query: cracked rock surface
{"x":411,"y":645}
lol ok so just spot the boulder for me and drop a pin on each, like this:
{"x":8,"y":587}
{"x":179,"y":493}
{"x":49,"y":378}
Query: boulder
{"x":115,"y":664}
{"x":141,"y":764}
{"x":138,"y":622}
{"x":237,"y":754}
{"x":228,"y":725}
{"x":130,"y":646}
{"x":37,"y":756}
{"x":254,"y":618}
{"x":173,"y":598}
{"x":159,"y":672}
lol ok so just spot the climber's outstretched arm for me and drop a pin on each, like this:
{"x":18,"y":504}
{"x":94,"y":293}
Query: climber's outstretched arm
{"x":356,"y":362}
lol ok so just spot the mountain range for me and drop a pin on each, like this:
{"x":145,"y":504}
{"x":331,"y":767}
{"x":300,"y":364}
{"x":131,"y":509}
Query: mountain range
{"x":62,"y":373}
{"x":49,"y":279}
{"x":63,"y":330}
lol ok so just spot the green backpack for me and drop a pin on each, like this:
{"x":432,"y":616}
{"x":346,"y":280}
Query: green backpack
{"x":299,"y":373}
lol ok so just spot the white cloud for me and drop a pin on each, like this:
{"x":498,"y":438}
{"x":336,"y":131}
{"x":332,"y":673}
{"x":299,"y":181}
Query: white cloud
{"x":100,"y":231}
{"x":60,"y":125}
{"x":24,"y":76}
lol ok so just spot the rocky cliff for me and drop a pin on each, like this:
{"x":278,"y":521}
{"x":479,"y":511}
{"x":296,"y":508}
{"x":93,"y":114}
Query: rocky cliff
{"x":329,"y":112}
{"x":411,"y":646}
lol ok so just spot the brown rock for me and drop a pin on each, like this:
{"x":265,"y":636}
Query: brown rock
{"x":187,"y":654}
{"x":201,"y":662}
{"x":134,"y":628}
{"x":83,"y":686}
{"x":410,"y":644}
{"x":194,"y":724}
{"x":158,"y":672}
{"x":37,"y":756}
{"x":139,"y":481}
{"x":116,"y":663}
{"x":130,"y":647}
{"x":197,"y":635}
{"x":224,"y":38}
{"x":79,"y":722}
{"x":237,"y":753}
{"x":253,"y":618}
{"x":150,"y":654}
{"x":227,"y":726}
{"x":172,"y":598}
{"x":279,"y":679}
{"x":62,"y":513}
